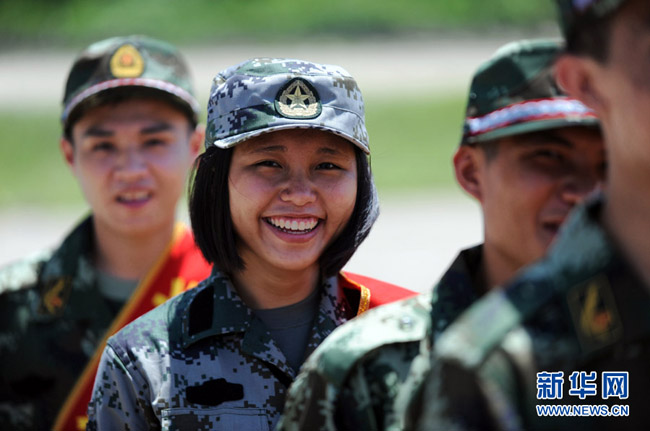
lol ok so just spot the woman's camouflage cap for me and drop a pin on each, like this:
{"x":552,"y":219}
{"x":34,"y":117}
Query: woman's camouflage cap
{"x":130,"y":61}
{"x":515,"y":92}
{"x":263,"y":95}
{"x":570,"y":11}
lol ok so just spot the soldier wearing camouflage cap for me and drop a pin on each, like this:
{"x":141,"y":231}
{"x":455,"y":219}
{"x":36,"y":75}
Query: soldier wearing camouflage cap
{"x":130,"y":137}
{"x":528,"y":154}
{"x":566,"y":345}
{"x":282,"y":198}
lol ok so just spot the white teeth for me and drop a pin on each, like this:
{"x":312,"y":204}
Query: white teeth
{"x":294,"y":225}
{"x":134,"y":196}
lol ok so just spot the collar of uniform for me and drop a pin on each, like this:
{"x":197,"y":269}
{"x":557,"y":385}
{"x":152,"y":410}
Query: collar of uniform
{"x":458,"y":288}
{"x":585,"y":270}
{"x":214,"y":309}
{"x":334,"y":310}
{"x":578,"y":263}
{"x":70,"y":262}
{"x":77,"y":243}
{"x":217,"y":309}
{"x":581,"y":251}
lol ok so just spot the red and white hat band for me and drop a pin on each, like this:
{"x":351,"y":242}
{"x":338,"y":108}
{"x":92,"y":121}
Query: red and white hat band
{"x":530,"y":110}
{"x":137,"y":82}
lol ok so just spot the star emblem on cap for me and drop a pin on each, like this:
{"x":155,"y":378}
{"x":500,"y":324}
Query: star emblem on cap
{"x":298,"y":99}
{"x":127,"y":62}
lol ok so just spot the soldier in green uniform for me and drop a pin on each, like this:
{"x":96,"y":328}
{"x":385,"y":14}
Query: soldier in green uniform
{"x":566,"y":345}
{"x":528,"y":154}
{"x":282,"y":197}
{"x":130,"y":137}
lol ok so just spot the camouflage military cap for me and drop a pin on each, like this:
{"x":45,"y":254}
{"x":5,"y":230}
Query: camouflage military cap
{"x":263,"y":95}
{"x":515,"y":92}
{"x":131,"y":61}
{"x":570,"y":11}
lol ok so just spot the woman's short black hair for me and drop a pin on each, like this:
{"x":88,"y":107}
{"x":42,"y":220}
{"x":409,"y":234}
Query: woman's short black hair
{"x":209,"y":207}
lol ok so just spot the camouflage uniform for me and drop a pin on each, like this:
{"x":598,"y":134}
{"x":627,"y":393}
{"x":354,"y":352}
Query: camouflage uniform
{"x":53,"y":314}
{"x":202,"y":360}
{"x":53,"y":318}
{"x":356,"y":379}
{"x":368,"y":374}
{"x":582,"y":308}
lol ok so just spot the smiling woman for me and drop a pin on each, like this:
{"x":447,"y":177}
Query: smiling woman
{"x":292,"y":192}
{"x":282,"y":197}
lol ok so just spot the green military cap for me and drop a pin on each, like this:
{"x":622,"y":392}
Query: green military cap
{"x":571,"y":11}
{"x":515,"y":92}
{"x":263,"y":95}
{"x":131,"y":61}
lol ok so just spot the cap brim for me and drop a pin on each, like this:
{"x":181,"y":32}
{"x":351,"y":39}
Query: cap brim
{"x":153,"y":84}
{"x":533,"y":126}
{"x":236,"y":139}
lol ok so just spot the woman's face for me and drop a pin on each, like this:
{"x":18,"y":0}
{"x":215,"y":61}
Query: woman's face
{"x":292,"y":192}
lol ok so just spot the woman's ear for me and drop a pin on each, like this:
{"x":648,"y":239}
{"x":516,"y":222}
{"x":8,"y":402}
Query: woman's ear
{"x":468,"y":162}
{"x":575,"y":75}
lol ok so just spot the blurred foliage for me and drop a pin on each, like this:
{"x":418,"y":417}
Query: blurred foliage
{"x":75,"y":22}
{"x":412,"y":141}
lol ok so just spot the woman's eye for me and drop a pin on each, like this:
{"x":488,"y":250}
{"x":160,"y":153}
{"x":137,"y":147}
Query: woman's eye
{"x":268,"y":164}
{"x":327,"y":165}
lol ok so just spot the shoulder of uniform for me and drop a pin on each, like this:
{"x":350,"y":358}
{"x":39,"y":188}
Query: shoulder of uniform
{"x":476,"y":332}
{"x":487,"y":324}
{"x":22,"y":274}
{"x":157,"y":330}
{"x":398,"y":322}
{"x":580,"y":255}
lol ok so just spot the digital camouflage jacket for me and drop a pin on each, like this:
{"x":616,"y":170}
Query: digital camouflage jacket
{"x":54,"y":318}
{"x":581,"y":309}
{"x":204,"y":360}
{"x":364,"y":376}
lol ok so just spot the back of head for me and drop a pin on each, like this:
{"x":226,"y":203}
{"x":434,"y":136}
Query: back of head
{"x":120,"y":68}
{"x":515,"y":92}
{"x":585,"y":25}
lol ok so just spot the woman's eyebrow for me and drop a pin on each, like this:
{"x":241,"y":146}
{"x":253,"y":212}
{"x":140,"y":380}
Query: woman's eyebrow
{"x":330,"y":151}
{"x":269,"y":149}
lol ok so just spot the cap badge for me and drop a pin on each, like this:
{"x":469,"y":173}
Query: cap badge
{"x":54,"y":296}
{"x":594,"y":313}
{"x":127,"y":62}
{"x":298,"y":99}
